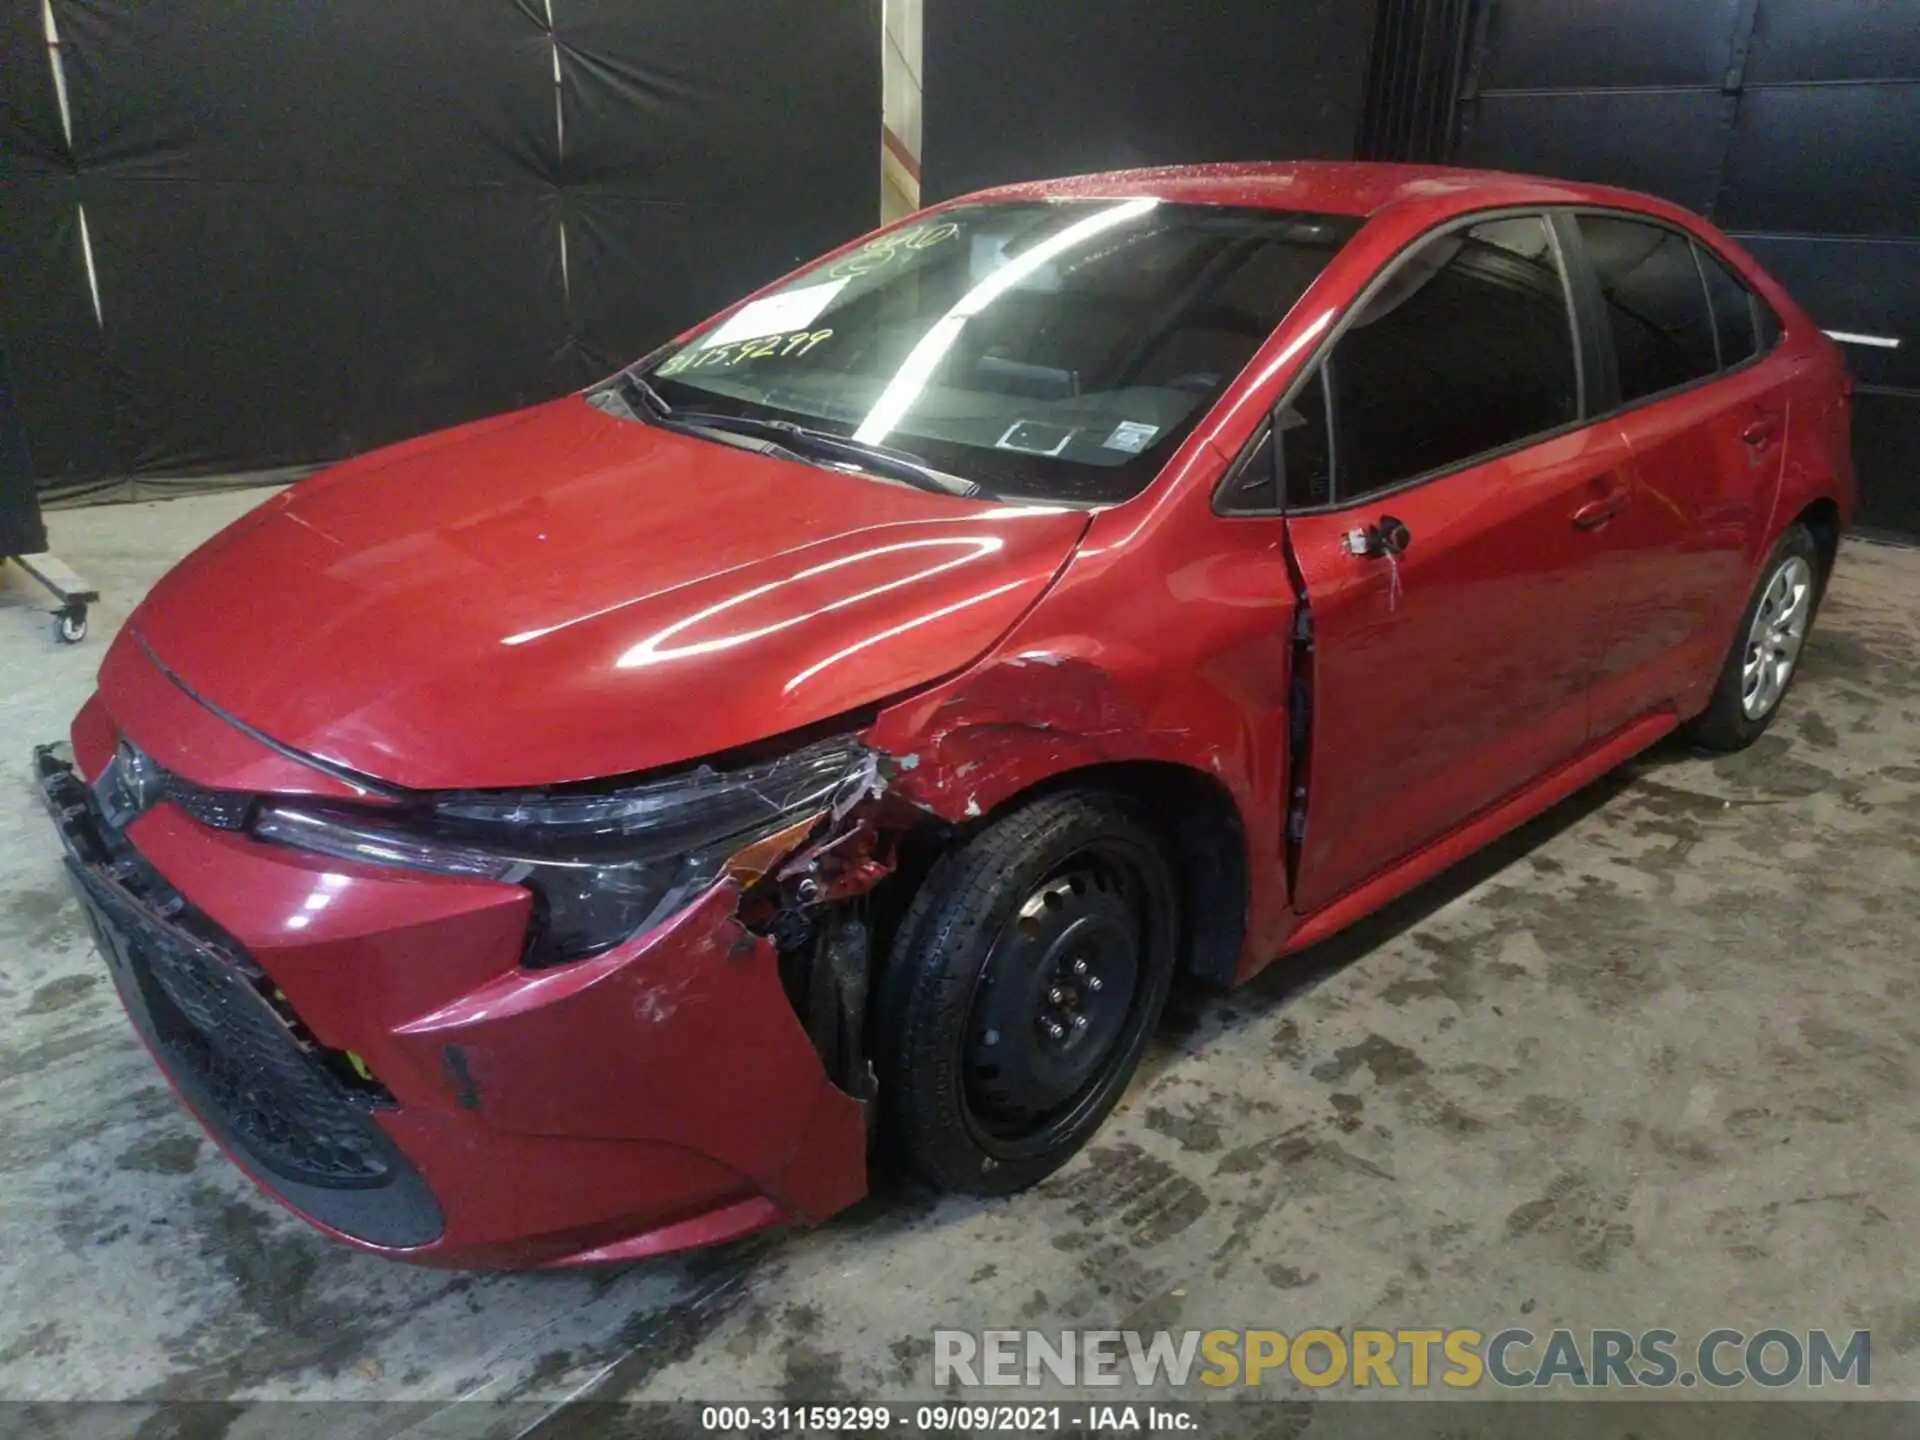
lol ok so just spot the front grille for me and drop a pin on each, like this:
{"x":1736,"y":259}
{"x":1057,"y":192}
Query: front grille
{"x":254,"y":1060}
{"x":285,"y":1109}
{"x":230,"y":1041}
{"x":212,"y":1020}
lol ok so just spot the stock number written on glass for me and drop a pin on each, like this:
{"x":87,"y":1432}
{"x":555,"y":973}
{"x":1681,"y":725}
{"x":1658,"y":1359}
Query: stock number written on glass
{"x":797,"y":342}
{"x":877,"y":254}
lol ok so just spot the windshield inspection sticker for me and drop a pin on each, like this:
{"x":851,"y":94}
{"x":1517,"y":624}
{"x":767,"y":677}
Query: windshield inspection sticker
{"x":1132,"y":436}
{"x":776,"y":314}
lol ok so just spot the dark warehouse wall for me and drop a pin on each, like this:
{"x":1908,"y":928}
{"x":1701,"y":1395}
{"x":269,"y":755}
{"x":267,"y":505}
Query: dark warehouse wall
{"x":1025,"y":89}
{"x":318,"y":228}
{"x":1793,"y":124}
{"x":22,"y":531}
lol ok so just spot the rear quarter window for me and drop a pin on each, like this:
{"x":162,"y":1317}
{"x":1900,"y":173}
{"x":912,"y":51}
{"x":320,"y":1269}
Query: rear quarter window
{"x":1735,"y":312}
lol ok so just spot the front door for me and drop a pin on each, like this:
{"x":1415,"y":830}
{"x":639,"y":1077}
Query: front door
{"x":1453,"y":673}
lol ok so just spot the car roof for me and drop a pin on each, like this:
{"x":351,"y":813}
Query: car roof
{"x":1327,"y":187}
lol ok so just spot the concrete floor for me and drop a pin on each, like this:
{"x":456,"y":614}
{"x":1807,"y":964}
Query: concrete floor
{"x":1650,"y":1062}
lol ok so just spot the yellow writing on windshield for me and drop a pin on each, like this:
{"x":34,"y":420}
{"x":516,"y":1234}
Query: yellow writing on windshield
{"x":795,"y":342}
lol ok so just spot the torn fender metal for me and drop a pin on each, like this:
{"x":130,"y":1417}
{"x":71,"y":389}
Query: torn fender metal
{"x":1126,"y":662}
{"x":1024,"y":717}
{"x":1009,"y":723}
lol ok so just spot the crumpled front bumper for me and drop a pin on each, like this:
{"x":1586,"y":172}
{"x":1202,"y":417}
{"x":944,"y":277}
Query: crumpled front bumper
{"x":658,"y":1096}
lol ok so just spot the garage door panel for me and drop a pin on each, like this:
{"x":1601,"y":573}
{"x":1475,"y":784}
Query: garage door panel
{"x":1820,"y":158}
{"x":1865,"y":286}
{"x":1809,"y":40}
{"x":1667,"y":143}
{"x":1811,"y":160}
{"x":1551,"y":45}
{"x":1886,"y":443}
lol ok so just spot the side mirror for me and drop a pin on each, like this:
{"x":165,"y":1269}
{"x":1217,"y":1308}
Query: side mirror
{"x":1389,"y":537}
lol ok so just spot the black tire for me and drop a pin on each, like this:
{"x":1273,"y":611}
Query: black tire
{"x":979,"y":1093}
{"x":1725,"y":724}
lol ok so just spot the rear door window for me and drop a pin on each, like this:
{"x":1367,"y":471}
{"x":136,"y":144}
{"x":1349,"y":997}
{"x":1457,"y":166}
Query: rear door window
{"x":1656,"y":304}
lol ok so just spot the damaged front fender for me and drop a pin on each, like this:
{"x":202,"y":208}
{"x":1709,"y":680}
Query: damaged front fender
{"x":1027,"y":716}
{"x":685,"y":1038}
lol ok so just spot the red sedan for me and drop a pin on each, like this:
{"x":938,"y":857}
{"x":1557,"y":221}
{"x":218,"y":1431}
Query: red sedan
{"x":587,"y":832}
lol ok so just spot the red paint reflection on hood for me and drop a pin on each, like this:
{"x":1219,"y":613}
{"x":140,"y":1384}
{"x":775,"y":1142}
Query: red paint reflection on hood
{"x":559,"y":594}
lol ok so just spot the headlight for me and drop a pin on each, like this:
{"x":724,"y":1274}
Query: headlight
{"x":603,"y":865}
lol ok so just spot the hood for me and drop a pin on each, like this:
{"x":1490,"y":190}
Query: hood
{"x":559,"y":595}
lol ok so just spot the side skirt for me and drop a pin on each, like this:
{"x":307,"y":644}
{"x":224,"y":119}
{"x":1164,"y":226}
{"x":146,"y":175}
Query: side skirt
{"x":1482,"y":829}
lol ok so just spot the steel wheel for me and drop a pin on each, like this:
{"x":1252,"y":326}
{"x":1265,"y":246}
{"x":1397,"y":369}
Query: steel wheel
{"x":1022,"y":987}
{"x":1773,"y":641}
{"x":1053,"y":1000}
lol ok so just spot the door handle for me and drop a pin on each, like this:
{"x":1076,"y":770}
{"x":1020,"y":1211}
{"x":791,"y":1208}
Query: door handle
{"x":1595,"y":513}
{"x":1762,"y":432}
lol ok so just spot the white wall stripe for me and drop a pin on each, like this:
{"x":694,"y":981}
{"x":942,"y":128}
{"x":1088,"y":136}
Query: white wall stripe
{"x":559,"y":110}
{"x":93,"y":279}
{"x":1878,"y":342}
{"x":59,"y":70}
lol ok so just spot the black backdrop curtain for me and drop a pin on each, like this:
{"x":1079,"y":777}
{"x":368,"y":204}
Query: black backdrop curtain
{"x":318,"y":228}
{"x":22,"y":531}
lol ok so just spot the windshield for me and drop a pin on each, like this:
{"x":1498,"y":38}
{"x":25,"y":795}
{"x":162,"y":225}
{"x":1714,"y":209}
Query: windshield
{"x":1054,"y":350}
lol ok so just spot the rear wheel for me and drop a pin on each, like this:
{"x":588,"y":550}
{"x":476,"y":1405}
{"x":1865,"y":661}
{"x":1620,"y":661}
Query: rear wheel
{"x":1025,"y":982}
{"x":1766,"y":647}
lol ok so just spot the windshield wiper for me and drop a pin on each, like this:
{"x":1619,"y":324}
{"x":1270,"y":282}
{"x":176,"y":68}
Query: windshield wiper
{"x":798,"y":442}
{"x":651,"y":400}
{"x":838,"y":449}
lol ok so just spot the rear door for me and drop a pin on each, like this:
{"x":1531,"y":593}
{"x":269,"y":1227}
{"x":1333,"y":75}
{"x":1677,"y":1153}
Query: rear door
{"x":1705,"y":419}
{"x":1448,"y":676}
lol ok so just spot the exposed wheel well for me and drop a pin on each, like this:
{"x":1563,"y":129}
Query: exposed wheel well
{"x":830,"y":958}
{"x":1822,"y":518}
{"x":1208,"y":846}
